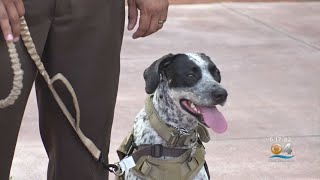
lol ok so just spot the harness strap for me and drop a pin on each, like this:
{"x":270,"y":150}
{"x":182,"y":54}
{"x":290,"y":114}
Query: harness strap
{"x":204,"y":135}
{"x":157,"y":151}
{"x":172,"y":136}
{"x":126,"y":147}
{"x":185,"y":166}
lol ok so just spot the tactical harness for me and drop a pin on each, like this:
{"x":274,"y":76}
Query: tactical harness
{"x":145,"y":159}
{"x":184,"y":164}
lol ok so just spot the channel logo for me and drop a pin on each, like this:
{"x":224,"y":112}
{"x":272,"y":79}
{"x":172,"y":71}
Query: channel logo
{"x":281,"y":152}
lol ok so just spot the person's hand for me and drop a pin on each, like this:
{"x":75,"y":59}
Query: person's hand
{"x":153,"y":14}
{"x":10,"y":13}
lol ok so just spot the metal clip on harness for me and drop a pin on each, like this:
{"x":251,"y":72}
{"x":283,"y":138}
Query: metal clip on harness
{"x":18,"y":85}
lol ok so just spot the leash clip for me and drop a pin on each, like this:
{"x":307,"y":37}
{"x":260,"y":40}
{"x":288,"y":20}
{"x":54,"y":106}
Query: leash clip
{"x":117,"y":171}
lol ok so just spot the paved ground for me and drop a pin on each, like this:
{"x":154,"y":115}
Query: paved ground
{"x":269,"y":55}
{"x":219,"y":1}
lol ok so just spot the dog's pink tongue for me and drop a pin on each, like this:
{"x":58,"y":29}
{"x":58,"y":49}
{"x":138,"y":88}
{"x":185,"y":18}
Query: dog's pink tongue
{"x":214,"y":119}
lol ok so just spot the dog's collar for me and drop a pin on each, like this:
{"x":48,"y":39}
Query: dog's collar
{"x":173,"y":136}
{"x":181,"y":131}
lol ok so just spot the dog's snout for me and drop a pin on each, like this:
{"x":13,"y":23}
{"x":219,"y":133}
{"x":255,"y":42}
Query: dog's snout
{"x":220,"y":95}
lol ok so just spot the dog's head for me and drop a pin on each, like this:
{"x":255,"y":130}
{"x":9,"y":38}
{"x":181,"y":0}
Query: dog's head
{"x":192,"y":81}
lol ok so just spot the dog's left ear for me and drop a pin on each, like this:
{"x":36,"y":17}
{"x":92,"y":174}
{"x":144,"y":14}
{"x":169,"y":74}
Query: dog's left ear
{"x":152,"y":73}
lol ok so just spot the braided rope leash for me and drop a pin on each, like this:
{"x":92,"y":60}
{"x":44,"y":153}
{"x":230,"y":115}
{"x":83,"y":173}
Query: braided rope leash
{"x":17,"y":78}
{"x":18,"y":85}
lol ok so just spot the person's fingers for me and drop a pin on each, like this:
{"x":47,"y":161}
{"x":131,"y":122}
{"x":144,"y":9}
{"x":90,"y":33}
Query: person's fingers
{"x":157,"y":11}
{"x":154,"y":25}
{"x":157,"y":22}
{"x":144,"y":23}
{"x":4,"y":23}
{"x":132,"y":14}
{"x":164,"y":15}
{"x":20,"y":7}
{"x":13,"y":19}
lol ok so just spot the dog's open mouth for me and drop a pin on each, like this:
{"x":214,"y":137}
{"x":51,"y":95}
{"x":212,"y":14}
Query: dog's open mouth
{"x":207,"y":115}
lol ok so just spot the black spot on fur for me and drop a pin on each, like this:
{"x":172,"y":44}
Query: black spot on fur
{"x":152,"y":138}
{"x":144,"y":133}
{"x":212,"y":67}
{"x":214,"y":71}
{"x":182,"y":72}
{"x":152,"y":73}
{"x":144,"y":119}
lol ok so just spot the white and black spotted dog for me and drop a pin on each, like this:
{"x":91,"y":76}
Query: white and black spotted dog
{"x":186,"y":91}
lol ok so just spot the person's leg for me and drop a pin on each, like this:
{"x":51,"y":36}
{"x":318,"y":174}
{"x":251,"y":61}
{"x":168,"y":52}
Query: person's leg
{"x":84,"y":45}
{"x":10,"y":117}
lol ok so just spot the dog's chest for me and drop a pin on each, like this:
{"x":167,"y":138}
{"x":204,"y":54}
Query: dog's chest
{"x":143,"y":132}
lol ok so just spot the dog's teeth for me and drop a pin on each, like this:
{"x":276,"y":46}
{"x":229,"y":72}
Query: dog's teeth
{"x":195,"y":109}
{"x":192,"y":106}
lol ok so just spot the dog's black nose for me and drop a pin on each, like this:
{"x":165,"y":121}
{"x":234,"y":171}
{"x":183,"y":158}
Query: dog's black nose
{"x":220,"y":95}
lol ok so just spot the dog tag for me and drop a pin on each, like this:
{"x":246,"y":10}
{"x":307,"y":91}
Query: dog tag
{"x":127,"y":163}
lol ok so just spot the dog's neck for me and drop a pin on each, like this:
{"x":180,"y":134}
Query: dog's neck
{"x":170,"y":111}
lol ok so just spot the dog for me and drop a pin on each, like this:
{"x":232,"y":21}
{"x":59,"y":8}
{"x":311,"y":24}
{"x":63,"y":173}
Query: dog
{"x":186,"y":89}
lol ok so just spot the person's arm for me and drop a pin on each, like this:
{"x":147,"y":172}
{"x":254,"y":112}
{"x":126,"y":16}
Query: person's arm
{"x":10,"y":13}
{"x":153,"y":13}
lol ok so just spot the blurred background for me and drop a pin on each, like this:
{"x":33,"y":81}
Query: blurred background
{"x":269,"y":56}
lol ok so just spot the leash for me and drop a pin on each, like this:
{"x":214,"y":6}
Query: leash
{"x":18,"y":85}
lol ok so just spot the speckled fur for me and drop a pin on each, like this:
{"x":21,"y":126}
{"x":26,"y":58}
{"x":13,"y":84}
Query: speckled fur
{"x":167,"y":105}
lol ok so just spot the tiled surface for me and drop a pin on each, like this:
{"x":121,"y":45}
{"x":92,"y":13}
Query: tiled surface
{"x":269,"y":55}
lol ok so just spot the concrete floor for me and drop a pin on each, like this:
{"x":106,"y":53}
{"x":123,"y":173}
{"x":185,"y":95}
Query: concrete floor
{"x":269,"y":56}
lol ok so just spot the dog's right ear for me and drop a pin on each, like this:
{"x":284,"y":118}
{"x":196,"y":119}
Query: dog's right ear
{"x":152,"y":73}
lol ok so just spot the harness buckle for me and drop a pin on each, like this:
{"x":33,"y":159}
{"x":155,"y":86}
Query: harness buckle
{"x":174,"y":139}
{"x":157,"y":151}
{"x":130,"y":145}
{"x":184,"y":132}
{"x":186,"y":139}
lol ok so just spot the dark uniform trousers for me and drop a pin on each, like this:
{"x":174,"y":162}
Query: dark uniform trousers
{"x":82,"y":40}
